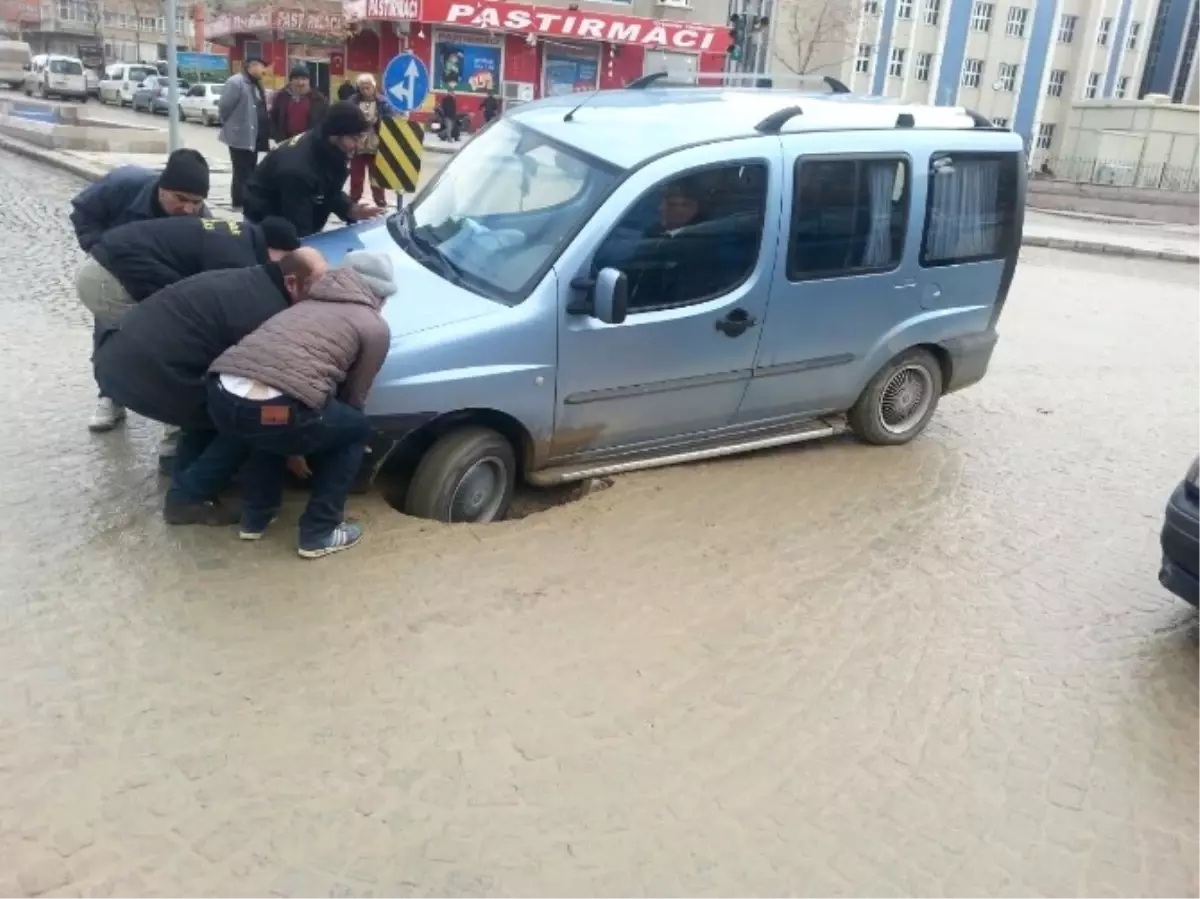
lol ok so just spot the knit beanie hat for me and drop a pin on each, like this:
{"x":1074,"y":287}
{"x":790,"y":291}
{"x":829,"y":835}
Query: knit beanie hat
{"x":374,"y":268}
{"x":344,"y":120}
{"x":299,"y":70}
{"x":187,"y":172}
{"x":279,"y":234}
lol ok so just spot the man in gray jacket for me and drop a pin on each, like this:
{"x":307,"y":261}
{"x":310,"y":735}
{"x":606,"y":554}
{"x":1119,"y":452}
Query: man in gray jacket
{"x":245,"y":123}
{"x":296,"y":387}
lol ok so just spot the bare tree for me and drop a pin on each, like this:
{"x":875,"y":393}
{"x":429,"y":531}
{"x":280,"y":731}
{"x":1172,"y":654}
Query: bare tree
{"x":816,"y":34}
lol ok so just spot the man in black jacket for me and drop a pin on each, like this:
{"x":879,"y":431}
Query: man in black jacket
{"x":302,"y":180}
{"x":154,"y":360}
{"x":148,"y":256}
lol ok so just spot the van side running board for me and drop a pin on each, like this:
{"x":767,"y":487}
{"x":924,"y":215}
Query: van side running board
{"x":809,"y":430}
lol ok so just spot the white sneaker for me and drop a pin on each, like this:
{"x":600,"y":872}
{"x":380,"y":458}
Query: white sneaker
{"x":107,"y":416}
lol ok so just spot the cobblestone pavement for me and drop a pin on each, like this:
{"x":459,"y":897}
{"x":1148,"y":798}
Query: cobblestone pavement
{"x":944,"y":669}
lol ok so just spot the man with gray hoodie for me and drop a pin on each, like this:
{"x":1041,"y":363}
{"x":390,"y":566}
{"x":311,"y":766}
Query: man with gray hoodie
{"x":296,"y":388}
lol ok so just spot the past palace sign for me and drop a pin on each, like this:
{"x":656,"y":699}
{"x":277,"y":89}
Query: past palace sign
{"x":551,"y":21}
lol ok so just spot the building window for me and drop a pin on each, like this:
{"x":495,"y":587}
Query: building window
{"x":862,"y":62}
{"x":971,"y":212}
{"x":848,"y":217}
{"x":1057,"y":82}
{"x":896,"y":63}
{"x":1066,"y":29}
{"x":1017,"y":18}
{"x":1008,"y":77}
{"x":933,"y":11}
{"x":871,"y":7}
{"x":1093,"y":86}
{"x":1103,"y":30}
{"x":924,"y":65}
{"x":972,"y":72}
{"x":981,"y":16}
{"x":1045,"y":136}
{"x":1122,"y":87}
{"x":904,"y":9}
{"x":697,"y":266}
{"x":1000,"y":121}
{"x":1135,"y":29}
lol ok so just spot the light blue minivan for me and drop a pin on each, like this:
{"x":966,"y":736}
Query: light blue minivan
{"x":606,"y":282}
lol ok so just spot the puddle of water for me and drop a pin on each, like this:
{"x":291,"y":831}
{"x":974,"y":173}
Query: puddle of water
{"x":527,"y":500}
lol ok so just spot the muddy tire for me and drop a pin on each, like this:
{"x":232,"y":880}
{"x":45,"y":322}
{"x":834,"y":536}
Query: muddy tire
{"x":899,"y":401}
{"x":468,"y":475}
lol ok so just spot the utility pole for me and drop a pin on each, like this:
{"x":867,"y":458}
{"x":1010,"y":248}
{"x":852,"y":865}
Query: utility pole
{"x":172,"y":81}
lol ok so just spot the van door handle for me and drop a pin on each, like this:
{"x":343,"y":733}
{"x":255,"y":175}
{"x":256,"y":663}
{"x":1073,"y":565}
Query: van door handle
{"x":907,"y":285}
{"x":736,"y":323}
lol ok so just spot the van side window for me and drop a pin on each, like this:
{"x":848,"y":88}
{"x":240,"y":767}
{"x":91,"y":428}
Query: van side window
{"x":970,"y":214}
{"x":849,"y":217}
{"x":690,"y":238}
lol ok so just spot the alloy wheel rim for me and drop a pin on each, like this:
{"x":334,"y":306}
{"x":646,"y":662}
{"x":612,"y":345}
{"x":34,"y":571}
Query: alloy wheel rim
{"x":479,"y":492}
{"x":905,"y":399}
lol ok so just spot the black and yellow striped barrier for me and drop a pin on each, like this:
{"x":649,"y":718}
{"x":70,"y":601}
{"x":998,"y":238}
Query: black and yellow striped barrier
{"x":398,"y":162}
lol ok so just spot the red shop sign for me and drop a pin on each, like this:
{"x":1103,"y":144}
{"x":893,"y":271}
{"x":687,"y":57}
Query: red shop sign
{"x":555,"y":21}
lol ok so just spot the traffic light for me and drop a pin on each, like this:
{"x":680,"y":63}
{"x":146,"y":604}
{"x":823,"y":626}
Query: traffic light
{"x":737,"y":36}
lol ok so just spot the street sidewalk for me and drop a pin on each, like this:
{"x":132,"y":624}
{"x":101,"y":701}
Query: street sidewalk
{"x":1112,"y":237}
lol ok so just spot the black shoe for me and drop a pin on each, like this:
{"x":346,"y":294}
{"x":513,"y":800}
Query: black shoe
{"x":209,"y":513}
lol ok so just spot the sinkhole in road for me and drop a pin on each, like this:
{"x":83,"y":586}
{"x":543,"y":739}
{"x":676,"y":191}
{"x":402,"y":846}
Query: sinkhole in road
{"x":527,"y":499}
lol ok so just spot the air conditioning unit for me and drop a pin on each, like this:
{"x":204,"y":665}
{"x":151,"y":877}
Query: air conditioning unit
{"x":516,"y":93}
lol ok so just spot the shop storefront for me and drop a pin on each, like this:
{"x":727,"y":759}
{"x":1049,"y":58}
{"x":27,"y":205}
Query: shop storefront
{"x":284,"y":37}
{"x":524,"y":51}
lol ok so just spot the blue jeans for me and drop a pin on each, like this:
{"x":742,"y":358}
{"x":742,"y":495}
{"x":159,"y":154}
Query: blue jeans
{"x":205,"y":463}
{"x":333,"y":439}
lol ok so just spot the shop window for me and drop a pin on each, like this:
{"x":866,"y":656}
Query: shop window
{"x":470,"y":66}
{"x":566,"y":70}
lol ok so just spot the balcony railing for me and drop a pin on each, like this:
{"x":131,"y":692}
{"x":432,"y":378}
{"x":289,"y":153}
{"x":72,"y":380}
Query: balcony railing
{"x":1119,"y":173}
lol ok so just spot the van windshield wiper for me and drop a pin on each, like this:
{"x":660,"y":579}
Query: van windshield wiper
{"x":429,"y":253}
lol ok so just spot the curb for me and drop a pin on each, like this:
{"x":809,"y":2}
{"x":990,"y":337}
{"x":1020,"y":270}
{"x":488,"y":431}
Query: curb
{"x":1107,"y":249}
{"x":49,"y":157}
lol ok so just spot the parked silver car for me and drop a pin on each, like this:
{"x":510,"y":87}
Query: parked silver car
{"x":605,"y":282}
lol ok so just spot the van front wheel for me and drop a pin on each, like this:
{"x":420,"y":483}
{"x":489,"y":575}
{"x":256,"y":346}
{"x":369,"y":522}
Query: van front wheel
{"x":899,"y":401}
{"x":468,"y":475}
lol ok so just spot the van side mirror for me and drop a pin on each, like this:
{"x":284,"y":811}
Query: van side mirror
{"x":606,"y":297}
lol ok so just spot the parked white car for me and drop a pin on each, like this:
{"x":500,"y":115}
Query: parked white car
{"x":50,"y":75}
{"x":200,"y":104}
{"x":121,"y":79}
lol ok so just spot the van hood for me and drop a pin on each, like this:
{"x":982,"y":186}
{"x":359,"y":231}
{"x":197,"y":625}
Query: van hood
{"x":423,"y":299}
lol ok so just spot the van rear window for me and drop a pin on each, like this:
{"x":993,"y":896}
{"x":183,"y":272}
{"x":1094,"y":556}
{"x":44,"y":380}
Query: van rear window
{"x":971,"y":211}
{"x":66,"y":67}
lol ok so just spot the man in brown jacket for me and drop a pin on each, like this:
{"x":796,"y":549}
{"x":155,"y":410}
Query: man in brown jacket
{"x":296,"y":387}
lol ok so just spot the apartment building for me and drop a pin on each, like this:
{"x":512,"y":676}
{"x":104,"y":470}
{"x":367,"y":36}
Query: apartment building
{"x":1021,"y":63}
{"x":103,"y":31}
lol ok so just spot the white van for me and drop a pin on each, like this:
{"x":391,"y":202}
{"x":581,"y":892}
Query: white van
{"x":121,"y":79}
{"x":50,"y":75}
{"x":14,"y":60}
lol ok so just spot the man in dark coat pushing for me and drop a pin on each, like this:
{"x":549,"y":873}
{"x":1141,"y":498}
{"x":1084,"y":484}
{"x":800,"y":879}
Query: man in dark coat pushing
{"x":155,"y":359}
{"x":304,"y":179}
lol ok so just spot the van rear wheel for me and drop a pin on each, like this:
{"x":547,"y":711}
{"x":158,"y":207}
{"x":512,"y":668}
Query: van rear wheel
{"x":468,"y":475}
{"x":899,"y":401}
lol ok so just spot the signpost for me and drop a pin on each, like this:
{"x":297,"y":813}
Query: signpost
{"x":406,"y":82}
{"x":397,"y":164}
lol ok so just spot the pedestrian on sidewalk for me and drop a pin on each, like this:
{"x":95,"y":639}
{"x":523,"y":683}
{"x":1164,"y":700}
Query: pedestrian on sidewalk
{"x":297,"y":108}
{"x":155,"y":361}
{"x":490,"y":106}
{"x":296,"y":388}
{"x":245,"y":123}
{"x":374,"y":109}
{"x":303,"y":180}
{"x":129,"y":194}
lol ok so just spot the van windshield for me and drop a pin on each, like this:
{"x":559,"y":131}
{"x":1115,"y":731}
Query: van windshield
{"x":66,"y":67}
{"x":140,"y":75}
{"x":502,"y":210}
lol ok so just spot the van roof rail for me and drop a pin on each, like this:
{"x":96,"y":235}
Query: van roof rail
{"x":980,"y":120}
{"x":774,"y":123}
{"x":735,"y":79}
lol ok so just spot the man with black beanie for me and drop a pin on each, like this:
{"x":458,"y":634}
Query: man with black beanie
{"x":303,"y":179}
{"x":129,"y":194}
